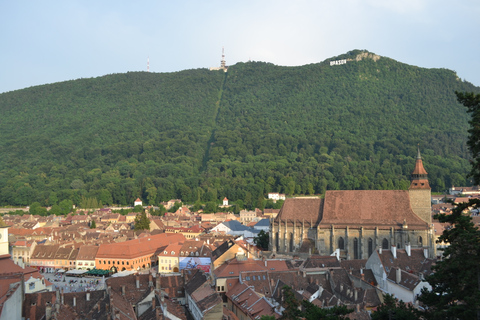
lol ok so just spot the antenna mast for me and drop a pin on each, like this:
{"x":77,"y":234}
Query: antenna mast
{"x":148,"y":64}
{"x":222,"y":63}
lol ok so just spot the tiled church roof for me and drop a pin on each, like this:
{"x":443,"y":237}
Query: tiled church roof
{"x":368,"y":208}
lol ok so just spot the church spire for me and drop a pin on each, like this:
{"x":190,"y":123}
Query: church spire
{"x":419,"y":176}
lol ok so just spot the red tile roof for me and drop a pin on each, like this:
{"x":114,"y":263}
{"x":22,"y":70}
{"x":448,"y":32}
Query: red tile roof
{"x":138,"y":247}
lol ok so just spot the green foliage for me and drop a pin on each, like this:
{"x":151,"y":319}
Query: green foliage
{"x":138,"y":208}
{"x":66,"y":206}
{"x":290,"y":304}
{"x":2,"y":223}
{"x":37,"y":209}
{"x":392,"y":308}
{"x":455,"y":282}
{"x":93,"y":224}
{"x":90,"y":203}
{"x":262,"y":240}
{"x":307,"y":310}
{"x":312,"y":312}
{"x":472,"y":102}
{"x":55,"y":210}
{"x":142,"y":222}
{"x":198,"y":135}
{"x":211,"y":207}
{"x":175,"y":207}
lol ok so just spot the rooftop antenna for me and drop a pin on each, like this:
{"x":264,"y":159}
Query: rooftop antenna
{"x":148,"y":64}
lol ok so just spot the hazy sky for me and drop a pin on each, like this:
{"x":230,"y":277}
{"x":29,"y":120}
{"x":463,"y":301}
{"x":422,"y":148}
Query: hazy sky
{"x":50,"y":41}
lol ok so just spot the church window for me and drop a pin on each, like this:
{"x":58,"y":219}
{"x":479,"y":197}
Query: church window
{"x":370,"y":246}
{"x":420,"y":242}
{"x":355,"y":249}
{"x":385,"y":244}
{"x":341,"y":243}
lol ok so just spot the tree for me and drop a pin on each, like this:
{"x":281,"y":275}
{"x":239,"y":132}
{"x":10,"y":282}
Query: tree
{"x":312,"y":312}
{"x":392,"y":308}
{"x":472,"y":102}
{"x":66,"y":206}
{"x":2,"y":223}
{"x":138,"y":209}
{"x":93,"y":225}
{"x":455,"y":282}
{"x":37,"y":209}
{"x":262,"y":240}
{"x":142,"y":222}
{"x":290,"y":304}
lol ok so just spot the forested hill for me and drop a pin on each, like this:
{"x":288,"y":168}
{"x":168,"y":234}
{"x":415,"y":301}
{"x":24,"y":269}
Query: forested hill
{"x":258,"y":128}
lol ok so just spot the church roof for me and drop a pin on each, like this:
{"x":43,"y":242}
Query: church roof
{"x":419,"y":169}
{"x":364,"y":208}
{"x":301,"y":209}
{"x":387,"y":208}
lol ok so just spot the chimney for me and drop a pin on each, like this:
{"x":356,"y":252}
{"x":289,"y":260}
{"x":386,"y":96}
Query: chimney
{"x":355,"y":292}
{"x":425,"y":253}
{"x":150,"y":280}
{"x":62,"y":297}
{"x":408,"y":249}
{"x":48,"y":312}
{"x":341,"y":287}
{"x":399,"y":275}
{"x":380,"y":250}
{"x":74,"y":301}
{"x":137,"y":281}
{"x":394,"y":252}
{"x":153,"y":303}
{"x":123,"y":290}
{"x":265,"y":263}
{"x":158,"y":283}
{"x":208,"y":241}
{"x":88,"y":296}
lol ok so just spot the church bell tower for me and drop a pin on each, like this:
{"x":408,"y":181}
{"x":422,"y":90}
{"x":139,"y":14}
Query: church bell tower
{"x":420,"y":192}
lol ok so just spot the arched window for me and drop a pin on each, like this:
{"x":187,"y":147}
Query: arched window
{"x":370,"y":246}
{"x":341,"y":243}
{"x":420,"y":241}
{"x":385,"y":244}
{"x":355,"y":249}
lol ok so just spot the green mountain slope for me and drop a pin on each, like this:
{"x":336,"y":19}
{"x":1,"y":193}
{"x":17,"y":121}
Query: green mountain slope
{"x":259,"y":128}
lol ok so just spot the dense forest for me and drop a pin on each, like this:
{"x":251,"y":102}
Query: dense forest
{"x":200,"y":135}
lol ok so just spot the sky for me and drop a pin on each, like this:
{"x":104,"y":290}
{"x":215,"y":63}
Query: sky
{"x":47,"y":41}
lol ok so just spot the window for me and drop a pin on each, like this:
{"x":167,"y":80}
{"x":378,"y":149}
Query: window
{"x":385,"y":244}
{"x":355,"y":249}
{"x":370,"y":246}
{"x":341,"y":243}
{"x":420,"y":242}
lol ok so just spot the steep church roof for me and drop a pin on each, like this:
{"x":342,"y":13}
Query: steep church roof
{"x":367,"y":208}
{"x":382,"y":208}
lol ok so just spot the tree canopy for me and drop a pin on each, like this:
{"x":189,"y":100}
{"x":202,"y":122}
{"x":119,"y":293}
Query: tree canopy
{"x":455,"y":282}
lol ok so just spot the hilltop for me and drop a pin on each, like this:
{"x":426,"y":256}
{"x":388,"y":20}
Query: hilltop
{"x":349,"y":122}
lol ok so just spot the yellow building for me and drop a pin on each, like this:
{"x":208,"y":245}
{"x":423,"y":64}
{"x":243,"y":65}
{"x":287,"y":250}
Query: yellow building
{"x":168,"y":260}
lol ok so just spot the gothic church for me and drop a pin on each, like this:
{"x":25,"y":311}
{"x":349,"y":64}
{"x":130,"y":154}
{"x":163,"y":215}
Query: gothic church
{"x":354,"y":223}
